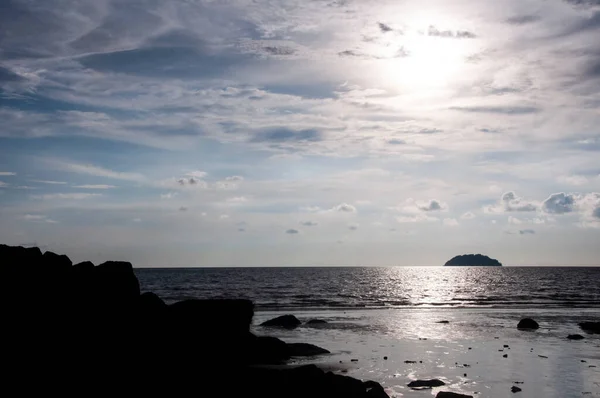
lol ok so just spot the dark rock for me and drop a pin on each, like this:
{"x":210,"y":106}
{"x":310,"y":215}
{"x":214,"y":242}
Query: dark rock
{"x":212,"y":316}
{"x":505,"y":356}
{"x":385,"y":358}
{"x":590,"y":327}
{"x":305,"y":350}
{"x":115,"y":282}
{"x":449,"y":394}
{"x":473,"y":260}
{"x":316,"y":322}
{"x":55,"y":262}
{"x":374,"y":390}
{"x":528,"y":323}
{"x":542,"y":356}
{"x":426,"y":383}
{"x":284,"y":321}
{"x":506,"y":346}
{"x":575,"y":337}
{"x":150,"y":302}
{"x":443,"y":322}
{"x":515,"y":389}
{"x":410,"y":361}
{"x":269,"y":350}
{"x":354,"y":360}
{"x":85,"y":265}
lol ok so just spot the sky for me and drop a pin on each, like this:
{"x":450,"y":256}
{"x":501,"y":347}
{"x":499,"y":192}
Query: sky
{"x":282,"y":133}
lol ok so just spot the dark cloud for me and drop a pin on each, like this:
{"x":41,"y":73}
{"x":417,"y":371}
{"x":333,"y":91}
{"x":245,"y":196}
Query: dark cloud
{"x":158,"y":61}
{"x":188,"y":181}
{"x":344,"y":208}
{"x":596,"y":212}
{"x":384,"y":28}
{"x":279,"y":50}
{"x":430,"y":131}
{"x":309,"y":224}
{"x":350,"y":53}
{"x":507,"y":110}
{"x":395,"y":141}
{"x":7,"y":75}
{"x":183,"y":208}
{"x":291,"y":231}
{"x":284,"y":134}
{"x":559,"y":203}
{"x":400,"y":53}
{"x":432,"y":205}
{"x":522,"y":19}
{"x":459,"y":34}
{"x":241,"y":229}
{"x":353,"y":227}
{"x":526,"y":232}
{"x":584,"y":3}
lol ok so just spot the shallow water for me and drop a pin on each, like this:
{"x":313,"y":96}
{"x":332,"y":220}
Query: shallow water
{"x":377,"y":312}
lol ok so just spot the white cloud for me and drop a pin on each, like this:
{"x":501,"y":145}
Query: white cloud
{"x":49,"y":182}
{"x":510,"y":202}
{"x":573,"y":180}
{"x":237,"y":200}
{"x":137,"y":220}
{"x":514,"y":220}
{"x":7,"y":173}
{"x":38,"y":218}
{"x":495,"y":189}
{"x":94,"y":171}
{"x":95,"y":186}
{"x":224,"y":216}
{"x":197,"y":174}
{"x":344,"y":208}
{"x":168,"y":195}
{"x":234,"y":178}
{"x":416,"y":218}
{"x":66,"y":196}
{"x":3,"y":184}
{"x":450,"y":222}
{"x":432,"y":205}
{"x":468,"y":216}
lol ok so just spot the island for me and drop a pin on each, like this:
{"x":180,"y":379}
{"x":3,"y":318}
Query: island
{"x":473,"y":260}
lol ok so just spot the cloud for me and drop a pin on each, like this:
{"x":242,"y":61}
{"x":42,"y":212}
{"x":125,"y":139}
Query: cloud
{"x":459,"y":34}
{"x":192,"y":181}
{"x":432,"y":205}
{"x":596,"y":212}
{"x":3,"y":184}
{"x":573,"y":180}
{"x":234,"y":178}
{"x":292,"y":231}
{"x":284,"y":134}
{"x":183,"y":208}
{"x":526,"y":232}
{"x":514,"y":220}
{"x":416,"y":218}
{"x":38,"y":218}
{"x":169,"y":195}
{"x":353,"y":227}
{"x":559,"y":203}
{"x":502,"y":110}
{"x":344,"y":208}
{"x":450,"y":222}
{"x":309,"y":224}
{"x":7,"y":173}
{"x":49,"y":182}
{"x":66,"y":196}
{"x":510,"y":202}
{"x":95,"y":186}
{"x":468,"y":216}
{"x":95,"y":171}
{"x":197,"y":174}
{"x":384,"y":28}
{"x":522,"y":19}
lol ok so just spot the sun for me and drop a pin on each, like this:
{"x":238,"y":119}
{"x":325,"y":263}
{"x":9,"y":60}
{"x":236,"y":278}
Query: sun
{"x":425,"y":63}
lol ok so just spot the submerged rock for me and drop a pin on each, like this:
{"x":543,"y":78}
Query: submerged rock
{"x":528,"y":323}
{"x":515,"y":389}
{"x":305,"y":350}
{"x":426,"y":383}
{"x":590,"y":327}
{"x":443,"y":322}
{"x":449,"y":394}
{"x":284,"y":321}
{"x":575,"y":337}
{"x":316,"y":322}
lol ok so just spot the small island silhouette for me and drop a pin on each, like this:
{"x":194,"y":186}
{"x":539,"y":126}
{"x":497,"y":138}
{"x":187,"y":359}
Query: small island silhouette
{"x":473,"y":260}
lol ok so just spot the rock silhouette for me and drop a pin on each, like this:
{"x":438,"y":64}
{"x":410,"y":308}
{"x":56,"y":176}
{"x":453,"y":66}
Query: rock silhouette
{"x":68,"y":328}
{"x":284,"y":321}
{"x":426,"y":383}
{"x":449,"y":394}
{"x":590,"y":327}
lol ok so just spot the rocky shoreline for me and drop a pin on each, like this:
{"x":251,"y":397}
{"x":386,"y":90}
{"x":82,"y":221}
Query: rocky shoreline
{"x":86,"y":328}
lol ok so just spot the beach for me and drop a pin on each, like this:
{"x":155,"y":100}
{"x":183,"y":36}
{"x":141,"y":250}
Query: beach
{"x":466,"y":353}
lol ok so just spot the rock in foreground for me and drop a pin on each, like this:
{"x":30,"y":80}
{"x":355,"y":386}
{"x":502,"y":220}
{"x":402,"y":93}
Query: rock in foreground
{"x":284,"y":321}
{"x":449,"y":394}
{"x":473,"y":260}
{"x":590,"y":327}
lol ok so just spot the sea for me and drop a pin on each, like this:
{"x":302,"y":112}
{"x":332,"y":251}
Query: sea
{"x":383,"y":323}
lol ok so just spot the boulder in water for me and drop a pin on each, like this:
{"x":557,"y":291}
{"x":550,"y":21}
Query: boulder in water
{"x":426,"y":383}
{"x":575,"y":337}
{"x":284,"y":321}
{"x":450,"y":394}
{"x":316,"y":322}
{"x":528,"y":323}
{"x":305,"y":350}
{"x":515,"y":389}
{"x":590,"y":327}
